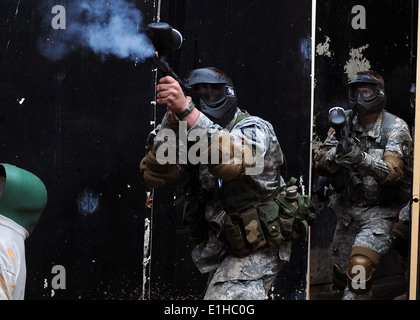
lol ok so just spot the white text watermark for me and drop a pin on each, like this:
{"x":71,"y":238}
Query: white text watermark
{"x":218,"y":148}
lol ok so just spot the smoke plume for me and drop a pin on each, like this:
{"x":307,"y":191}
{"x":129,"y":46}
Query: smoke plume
{"x":112,"y":27}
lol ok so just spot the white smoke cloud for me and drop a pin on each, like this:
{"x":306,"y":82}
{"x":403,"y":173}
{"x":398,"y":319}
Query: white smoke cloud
{"x":108,"y":28}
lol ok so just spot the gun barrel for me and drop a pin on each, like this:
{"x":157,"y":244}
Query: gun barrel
{"x":166,"y":69}
{"x":163,"y":67}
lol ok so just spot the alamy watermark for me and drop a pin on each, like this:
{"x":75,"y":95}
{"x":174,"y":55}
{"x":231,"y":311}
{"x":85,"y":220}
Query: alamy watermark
{"x":59,"y":280}
{"x":59,"y":20}
{"x":359,"y":20}
{"x":217,"y":148}
{"x":358,"y":277}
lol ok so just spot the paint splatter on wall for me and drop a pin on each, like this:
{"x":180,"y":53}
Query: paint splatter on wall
{"x":357,"y":62}
{"x":323,"y":49}
{"x":87,"y":202}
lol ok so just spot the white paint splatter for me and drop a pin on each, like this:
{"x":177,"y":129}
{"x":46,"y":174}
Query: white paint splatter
{"x":323,"y":49}
{"x":357,"y":62}
{"x":17,"y":9}
{"x":301,"y":185}
{"x":146,"y":254}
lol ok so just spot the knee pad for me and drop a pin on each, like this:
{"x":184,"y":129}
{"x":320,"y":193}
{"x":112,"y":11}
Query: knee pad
{"x":360,"y":269}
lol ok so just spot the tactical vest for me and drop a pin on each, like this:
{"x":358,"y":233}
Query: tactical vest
{"x":376,"y":147}
{"x":388,"y":120}
{"x":247,"y":220}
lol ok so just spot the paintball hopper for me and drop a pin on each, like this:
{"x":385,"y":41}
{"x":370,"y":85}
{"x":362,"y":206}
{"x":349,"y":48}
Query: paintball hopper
{"x":163,"y":37}
{"x":337,"y":118}
{"x":338,"y":121}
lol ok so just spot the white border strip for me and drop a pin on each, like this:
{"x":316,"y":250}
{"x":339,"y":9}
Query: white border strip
{"x":313,"y":32}
{"x":416,"y":184}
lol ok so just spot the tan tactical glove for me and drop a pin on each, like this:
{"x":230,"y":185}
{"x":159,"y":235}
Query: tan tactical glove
{"x":395,"y":166}
{"x":229,"y":160}
{"x":158,"y":175}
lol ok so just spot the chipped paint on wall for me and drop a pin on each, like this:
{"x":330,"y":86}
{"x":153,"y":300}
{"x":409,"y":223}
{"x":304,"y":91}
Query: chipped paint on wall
{"x":357,"y":62}
{"x":88,"y":202}
{"x":146,"y":255}
{"x":305,"y":48}
{"x":323,"y":49}
{"x":301,"y":185}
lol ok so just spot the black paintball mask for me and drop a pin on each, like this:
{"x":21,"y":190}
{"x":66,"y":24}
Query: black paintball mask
{"x":213,"y":95}
{"x":366,"y":95}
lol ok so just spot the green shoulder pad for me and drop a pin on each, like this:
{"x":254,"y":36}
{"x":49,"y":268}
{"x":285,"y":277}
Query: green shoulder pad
{"x":23,"y":197}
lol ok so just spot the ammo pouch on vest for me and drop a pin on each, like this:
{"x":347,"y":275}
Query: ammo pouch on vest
{"x":266,"y":223}
{"x":252,"y":228}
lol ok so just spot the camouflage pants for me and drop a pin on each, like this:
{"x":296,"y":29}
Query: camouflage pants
{"x":374,"y":234}
{"x":244,"y":278}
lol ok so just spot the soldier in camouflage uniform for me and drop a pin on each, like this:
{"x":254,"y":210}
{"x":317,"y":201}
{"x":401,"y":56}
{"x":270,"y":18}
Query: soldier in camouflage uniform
{"x":234,"y":247}
{"x":372,"y":181}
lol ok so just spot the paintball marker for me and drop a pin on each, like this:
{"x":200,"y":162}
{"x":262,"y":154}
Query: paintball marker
{"x":165,"y":39}
{"x":338,"y":121}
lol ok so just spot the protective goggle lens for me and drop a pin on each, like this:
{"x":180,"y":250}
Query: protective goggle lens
{"x":367,"y":92}
{"x":212,"y":94}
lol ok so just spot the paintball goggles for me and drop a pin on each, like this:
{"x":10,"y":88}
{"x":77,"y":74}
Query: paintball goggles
{"x":165,"y":39}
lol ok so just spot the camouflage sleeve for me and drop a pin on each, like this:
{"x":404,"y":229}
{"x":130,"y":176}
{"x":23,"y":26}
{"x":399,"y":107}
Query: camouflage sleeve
{"x":256,"y":131}
{"x":259,"y":147}
{"x":252,"y":141}
{"x":377,"y":168}
{"x":267,"y":156}
{"x":205,"y":124}
{"x":400,"y":141}
{"x":324,"y":159}
{"x":252,"y":132}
